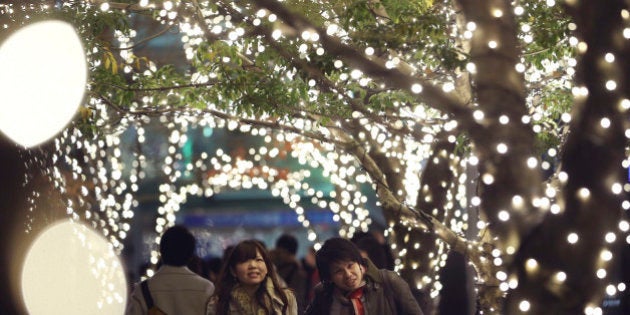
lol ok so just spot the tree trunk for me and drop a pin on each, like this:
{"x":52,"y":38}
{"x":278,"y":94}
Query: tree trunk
{"x":574,"y":249}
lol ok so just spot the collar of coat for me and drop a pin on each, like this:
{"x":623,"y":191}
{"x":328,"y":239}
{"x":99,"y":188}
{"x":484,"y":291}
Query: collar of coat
{"x":272,"y":292}
{"x":242,"y":299}
{"x":372,"y":272}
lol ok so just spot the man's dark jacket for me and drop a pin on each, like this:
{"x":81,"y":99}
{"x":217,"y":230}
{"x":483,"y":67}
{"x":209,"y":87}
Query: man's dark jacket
{"x":382,"y":289}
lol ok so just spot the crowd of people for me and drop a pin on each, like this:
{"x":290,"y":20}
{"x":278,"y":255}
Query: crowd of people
{"x":344,"y":277}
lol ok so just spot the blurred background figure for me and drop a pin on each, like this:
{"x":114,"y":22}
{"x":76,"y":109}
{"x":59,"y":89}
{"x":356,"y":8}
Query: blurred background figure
{"x":289,"y":267}
{"x":196,"y":265}
{"x":373,"y":245}
{"x":175,"y":289}
{"x":212,"y":268}
{"x":312,"y":275}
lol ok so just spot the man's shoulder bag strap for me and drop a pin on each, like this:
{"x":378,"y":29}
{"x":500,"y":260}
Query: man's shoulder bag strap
{"x":152,"y":309}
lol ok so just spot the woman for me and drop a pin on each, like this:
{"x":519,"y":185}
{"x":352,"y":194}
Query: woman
{"x":248,"y":285}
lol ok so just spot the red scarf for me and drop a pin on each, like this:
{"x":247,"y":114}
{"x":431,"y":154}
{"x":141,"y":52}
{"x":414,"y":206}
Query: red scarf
{"x":355,"y":298}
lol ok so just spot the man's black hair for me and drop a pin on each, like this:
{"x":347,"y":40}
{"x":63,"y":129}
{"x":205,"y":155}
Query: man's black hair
{"x":287,"y":242}
{"x":334,"y":250}
{"x":177,"y":246}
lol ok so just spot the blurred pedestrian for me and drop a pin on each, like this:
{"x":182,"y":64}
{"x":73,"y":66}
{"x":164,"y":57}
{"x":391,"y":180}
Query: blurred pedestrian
{"x":312,"y":275}
{"x":174,"y":288}
{"x":289,"y":267}
{"x":370,"y":248}
{"x":213,"y":268}
{"x":374,"y":246}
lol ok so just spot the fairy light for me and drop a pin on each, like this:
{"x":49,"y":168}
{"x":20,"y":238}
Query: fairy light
{"x":502,"y":148}
{"x":572,"y":238}
{"x":560,"y":276}
{"x":524,"y":306}
{"x":416,"y":88}
{"x":504,"y":215}
{"x":593,"y":310}
{"x":610,"y":237}
{"x":606,"y":255}
{"x":531,"y":265}
{"x":478,"y":115}
{"x":584,"y":193}
{"x":104,"y":6}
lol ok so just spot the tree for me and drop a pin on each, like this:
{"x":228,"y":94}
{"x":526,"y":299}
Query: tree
{"x":526,"y":100}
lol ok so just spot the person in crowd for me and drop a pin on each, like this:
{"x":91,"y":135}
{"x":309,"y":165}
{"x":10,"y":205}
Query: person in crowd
{"x":372,"y":249}
{"x":289,"y":267}
{"x":312,"y":275}
{"x":174,"y":288}
{"x":212,"y":267}
{"x":387,"y":248}
{"x":352,"y":284}
{"x":374,"y":245}
{"x":248,"y":285}
{"x":227,"y":251}
{"x":196,"y":265}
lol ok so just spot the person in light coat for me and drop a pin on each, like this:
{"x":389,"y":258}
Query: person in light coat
{"x":248,"y":285}
{"x":174,"y":288}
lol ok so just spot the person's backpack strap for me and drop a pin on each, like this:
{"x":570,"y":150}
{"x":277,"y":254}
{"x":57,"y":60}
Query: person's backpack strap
{"x":147,"y":295}
{"x":387,"y":287}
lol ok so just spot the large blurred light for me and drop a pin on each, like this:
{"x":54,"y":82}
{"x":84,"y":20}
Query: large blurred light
{"x":42,"y":81}
{"x":70,"y":269}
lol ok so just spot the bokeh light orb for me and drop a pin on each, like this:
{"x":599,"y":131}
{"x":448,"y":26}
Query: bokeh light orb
{"x":42,"y":81}
{"x":70,"y":269}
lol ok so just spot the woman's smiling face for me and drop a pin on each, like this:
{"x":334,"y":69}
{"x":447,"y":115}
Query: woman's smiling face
{"x":252,"y":271}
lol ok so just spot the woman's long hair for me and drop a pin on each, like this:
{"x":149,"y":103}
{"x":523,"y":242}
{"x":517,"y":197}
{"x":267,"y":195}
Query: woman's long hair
{"x":243,"y":251}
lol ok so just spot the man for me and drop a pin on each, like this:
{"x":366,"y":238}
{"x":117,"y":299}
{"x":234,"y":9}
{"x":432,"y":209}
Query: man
{"x":289,"y":267}
{"x":351,"y":284}
{"x":174,"y":288}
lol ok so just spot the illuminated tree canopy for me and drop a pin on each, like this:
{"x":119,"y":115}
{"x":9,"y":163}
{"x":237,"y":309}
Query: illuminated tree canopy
{"x":497,"y":129}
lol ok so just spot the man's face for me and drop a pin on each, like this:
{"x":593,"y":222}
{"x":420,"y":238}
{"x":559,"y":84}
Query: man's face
{"x":347,"y":275}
